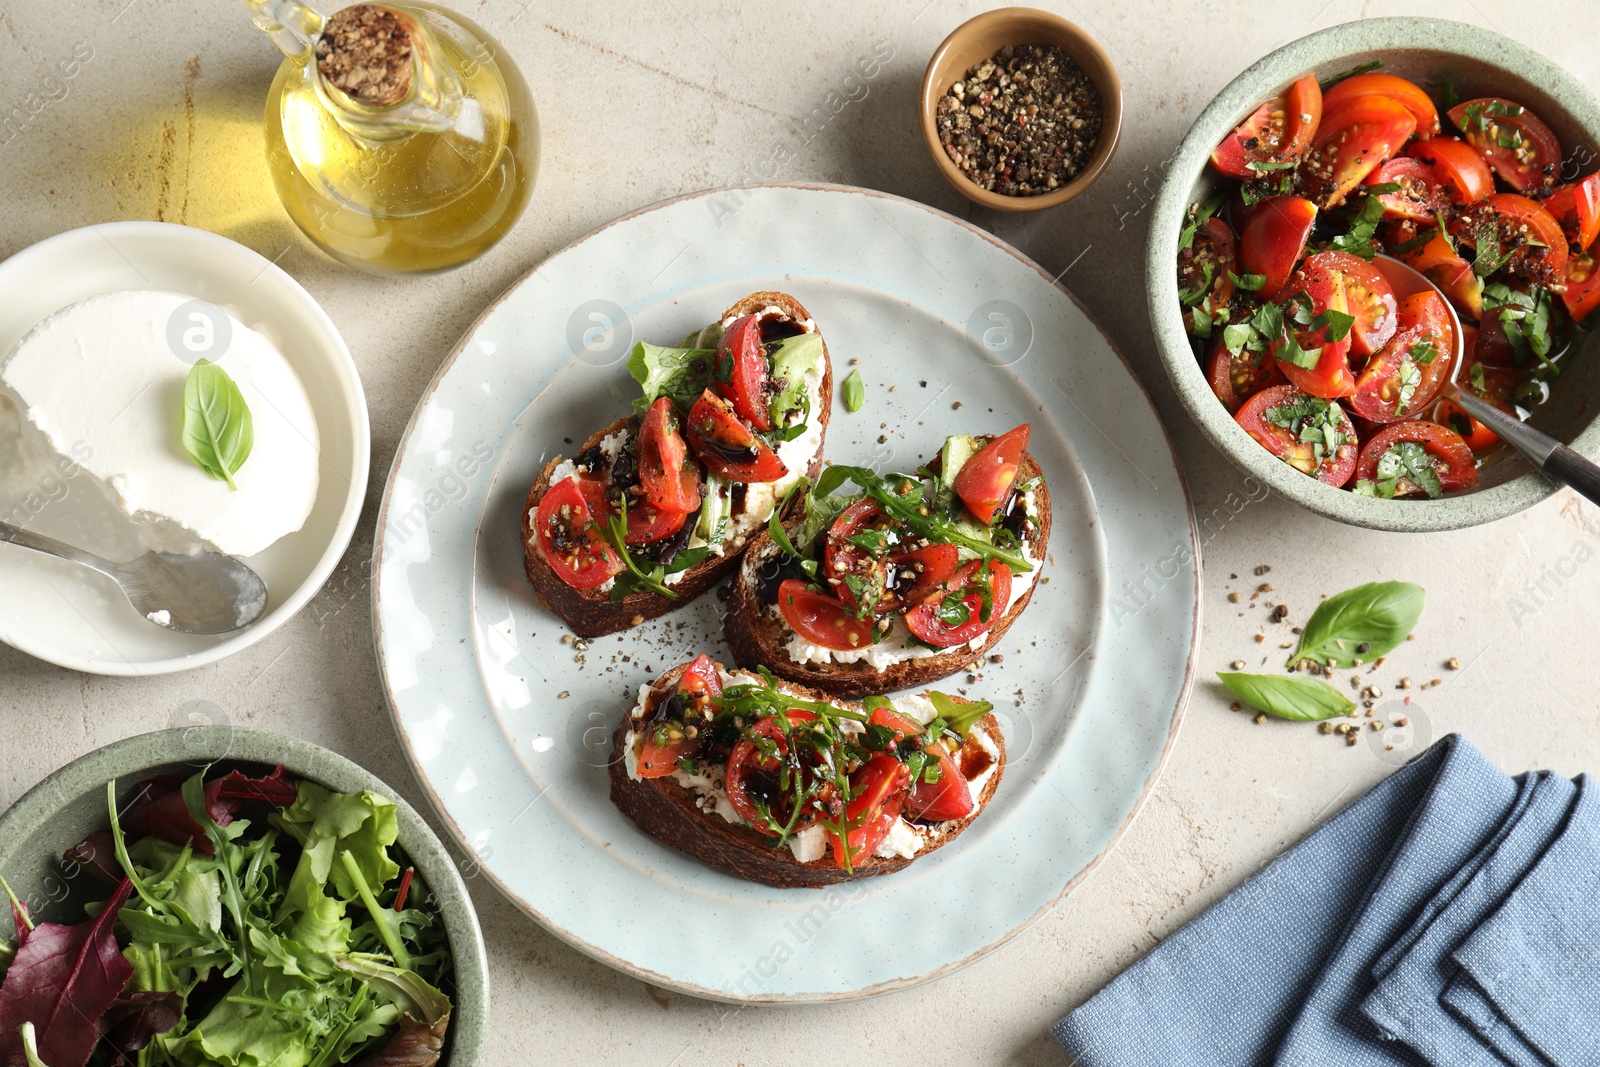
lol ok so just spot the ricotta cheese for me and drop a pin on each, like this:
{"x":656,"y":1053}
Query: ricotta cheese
{"x":101,"y":382}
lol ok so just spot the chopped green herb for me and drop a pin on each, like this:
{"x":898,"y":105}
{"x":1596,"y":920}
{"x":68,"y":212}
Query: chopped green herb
{"x":1362,"y":68}
{"x":1406,"y":462}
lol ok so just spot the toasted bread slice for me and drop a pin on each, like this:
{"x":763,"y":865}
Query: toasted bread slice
{"x":592,"y":612}
{"x":680,"y":816}
{"x":758,"y":634}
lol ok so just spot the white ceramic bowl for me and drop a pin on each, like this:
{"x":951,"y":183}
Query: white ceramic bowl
{"x":78,"y":619}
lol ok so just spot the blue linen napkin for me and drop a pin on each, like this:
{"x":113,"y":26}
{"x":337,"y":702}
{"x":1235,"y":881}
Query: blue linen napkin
{"x":1324,"y":956}
{"x":1536,"y":962}
{"x":1406,"y":1003}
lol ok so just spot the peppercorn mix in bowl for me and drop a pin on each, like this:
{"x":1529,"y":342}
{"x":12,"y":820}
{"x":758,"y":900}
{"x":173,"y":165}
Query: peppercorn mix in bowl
{"x":1020,"y":109}
{"x":1453,"y":65}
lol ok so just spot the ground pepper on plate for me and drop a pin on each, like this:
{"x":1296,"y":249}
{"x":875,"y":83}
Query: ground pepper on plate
{"x":1022,"y":123}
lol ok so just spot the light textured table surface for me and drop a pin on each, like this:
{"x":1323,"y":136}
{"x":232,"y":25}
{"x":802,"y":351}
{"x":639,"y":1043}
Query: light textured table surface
{"x":642,"y":100}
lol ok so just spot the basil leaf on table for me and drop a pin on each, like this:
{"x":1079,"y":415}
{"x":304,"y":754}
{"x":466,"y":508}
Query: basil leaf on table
{"x":855,"y":392}
{"x":218,"y":431}
{"x":1297,"y":699}
{"x":1377,"y":615}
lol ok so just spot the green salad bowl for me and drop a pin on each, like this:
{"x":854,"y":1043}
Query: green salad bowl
{"x":60,"y":811}
{"x":1477,"y":62}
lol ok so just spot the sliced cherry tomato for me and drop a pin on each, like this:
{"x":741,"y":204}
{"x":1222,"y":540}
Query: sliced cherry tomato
{"x":1331,"y":376}
{"x":1448,"y":413}
{"x":949,"y":796}
{"x":1448,"y":455}
{"x":903,"y":726}
{"x":1465,"y":176}
{"x":752,"y":776}
{"x":1354,"y":139}
{"x":848,"y":567}
{"x":1283,"y":437}
{"x":1273,"y":239}
{"x":648,"y":524}
{"x":1421,"y":196}
{"x":917,"y":574}
{"x":1437,"y":260}
{"x":1531,"y":235}
{"x":822,"y":619}
{"x":966,"y":607}
{"x":1405,"y":377}
{"x":668,"y":741}
{"x":1236,"y":377}
{"x":743,"y":372}
{"x":726,"y":446}
{"x":568,"y":540}
{"x":1582,"y":293}
{"x":985,"y":481}
{"x":879,"y":787}
{"x":1512,"y":140}
{"x":670,"y":479}
{"x":1407,"y":94}
{"x":1210,"y":262}
{"x":1577,"y":208}
{"x":1276,"y":132}
{"x":1367,"y":295}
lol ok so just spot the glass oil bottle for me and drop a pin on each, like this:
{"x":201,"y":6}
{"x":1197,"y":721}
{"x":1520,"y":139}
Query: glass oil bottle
{"x":400,"y":137}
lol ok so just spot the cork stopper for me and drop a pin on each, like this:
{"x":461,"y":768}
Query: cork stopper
{"x":365,"y":53}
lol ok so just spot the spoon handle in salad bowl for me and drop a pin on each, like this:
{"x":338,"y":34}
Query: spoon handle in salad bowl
{"x":15,"y":535}
{"x":1552,"y":457}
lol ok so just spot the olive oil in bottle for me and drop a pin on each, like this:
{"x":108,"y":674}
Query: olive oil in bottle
{"x":399,"y":136}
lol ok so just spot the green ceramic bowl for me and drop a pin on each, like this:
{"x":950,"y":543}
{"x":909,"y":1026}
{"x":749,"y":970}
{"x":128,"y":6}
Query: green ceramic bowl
{"x":1479,"y":63}
{"x":61,"y":810}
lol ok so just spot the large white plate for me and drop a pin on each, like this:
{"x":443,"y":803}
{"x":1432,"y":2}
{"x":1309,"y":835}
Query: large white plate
{"x":509,"y":728}
{"x":79,"y":619}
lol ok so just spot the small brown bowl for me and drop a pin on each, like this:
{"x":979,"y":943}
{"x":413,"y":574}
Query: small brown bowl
{"x":980,"y":38}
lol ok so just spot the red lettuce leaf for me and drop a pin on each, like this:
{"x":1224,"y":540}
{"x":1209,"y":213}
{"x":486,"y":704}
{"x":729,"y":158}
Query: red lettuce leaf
{"x":161,"y":812}
{"x":97,"y":854}
{"x":63,"y":980}
{"x":135,"y":1019}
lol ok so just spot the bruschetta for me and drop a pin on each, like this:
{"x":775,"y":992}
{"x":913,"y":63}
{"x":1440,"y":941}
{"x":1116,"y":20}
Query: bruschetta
{"x":905,"y":579}
{"x":782,"y":785}
{"x":660,"y":505}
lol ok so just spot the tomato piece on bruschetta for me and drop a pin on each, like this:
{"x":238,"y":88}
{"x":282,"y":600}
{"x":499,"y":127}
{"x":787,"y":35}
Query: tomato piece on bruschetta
{"x":669,"y":477}
{"x":742,"y":372}
{"x":682,"y":724}
{"x":822,"y":619}
{"x":879,"y":791}
{"x":985,"y":481}
{"x":568,"y":538}
{"x":727,"y":446}
{"x":965,"y":607}
{"x":751,"y":778}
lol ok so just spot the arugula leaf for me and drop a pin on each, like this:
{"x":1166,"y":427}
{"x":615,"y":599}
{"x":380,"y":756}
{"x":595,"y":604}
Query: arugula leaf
{"x":679,"y":373}
{"x":614,"y":531}
{"x":1296,"y":699}
{"x":218,"y":430}
{"x":958,"y":714}
{"x":1360,"y":624}
{"x":925,"y":508}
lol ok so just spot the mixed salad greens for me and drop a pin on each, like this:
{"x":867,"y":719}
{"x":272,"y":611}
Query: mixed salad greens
{"x":291,"y":938}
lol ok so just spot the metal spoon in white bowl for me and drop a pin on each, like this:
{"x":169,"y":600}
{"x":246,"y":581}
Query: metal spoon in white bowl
{"x":1544,"y":451}
{"x":207,"y":593}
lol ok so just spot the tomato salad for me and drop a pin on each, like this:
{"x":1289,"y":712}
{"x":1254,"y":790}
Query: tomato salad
{"x":909,"y":565}
{"x":1325,"y":355}
{"x":826,"y":780}
{"x":724,"y":427}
